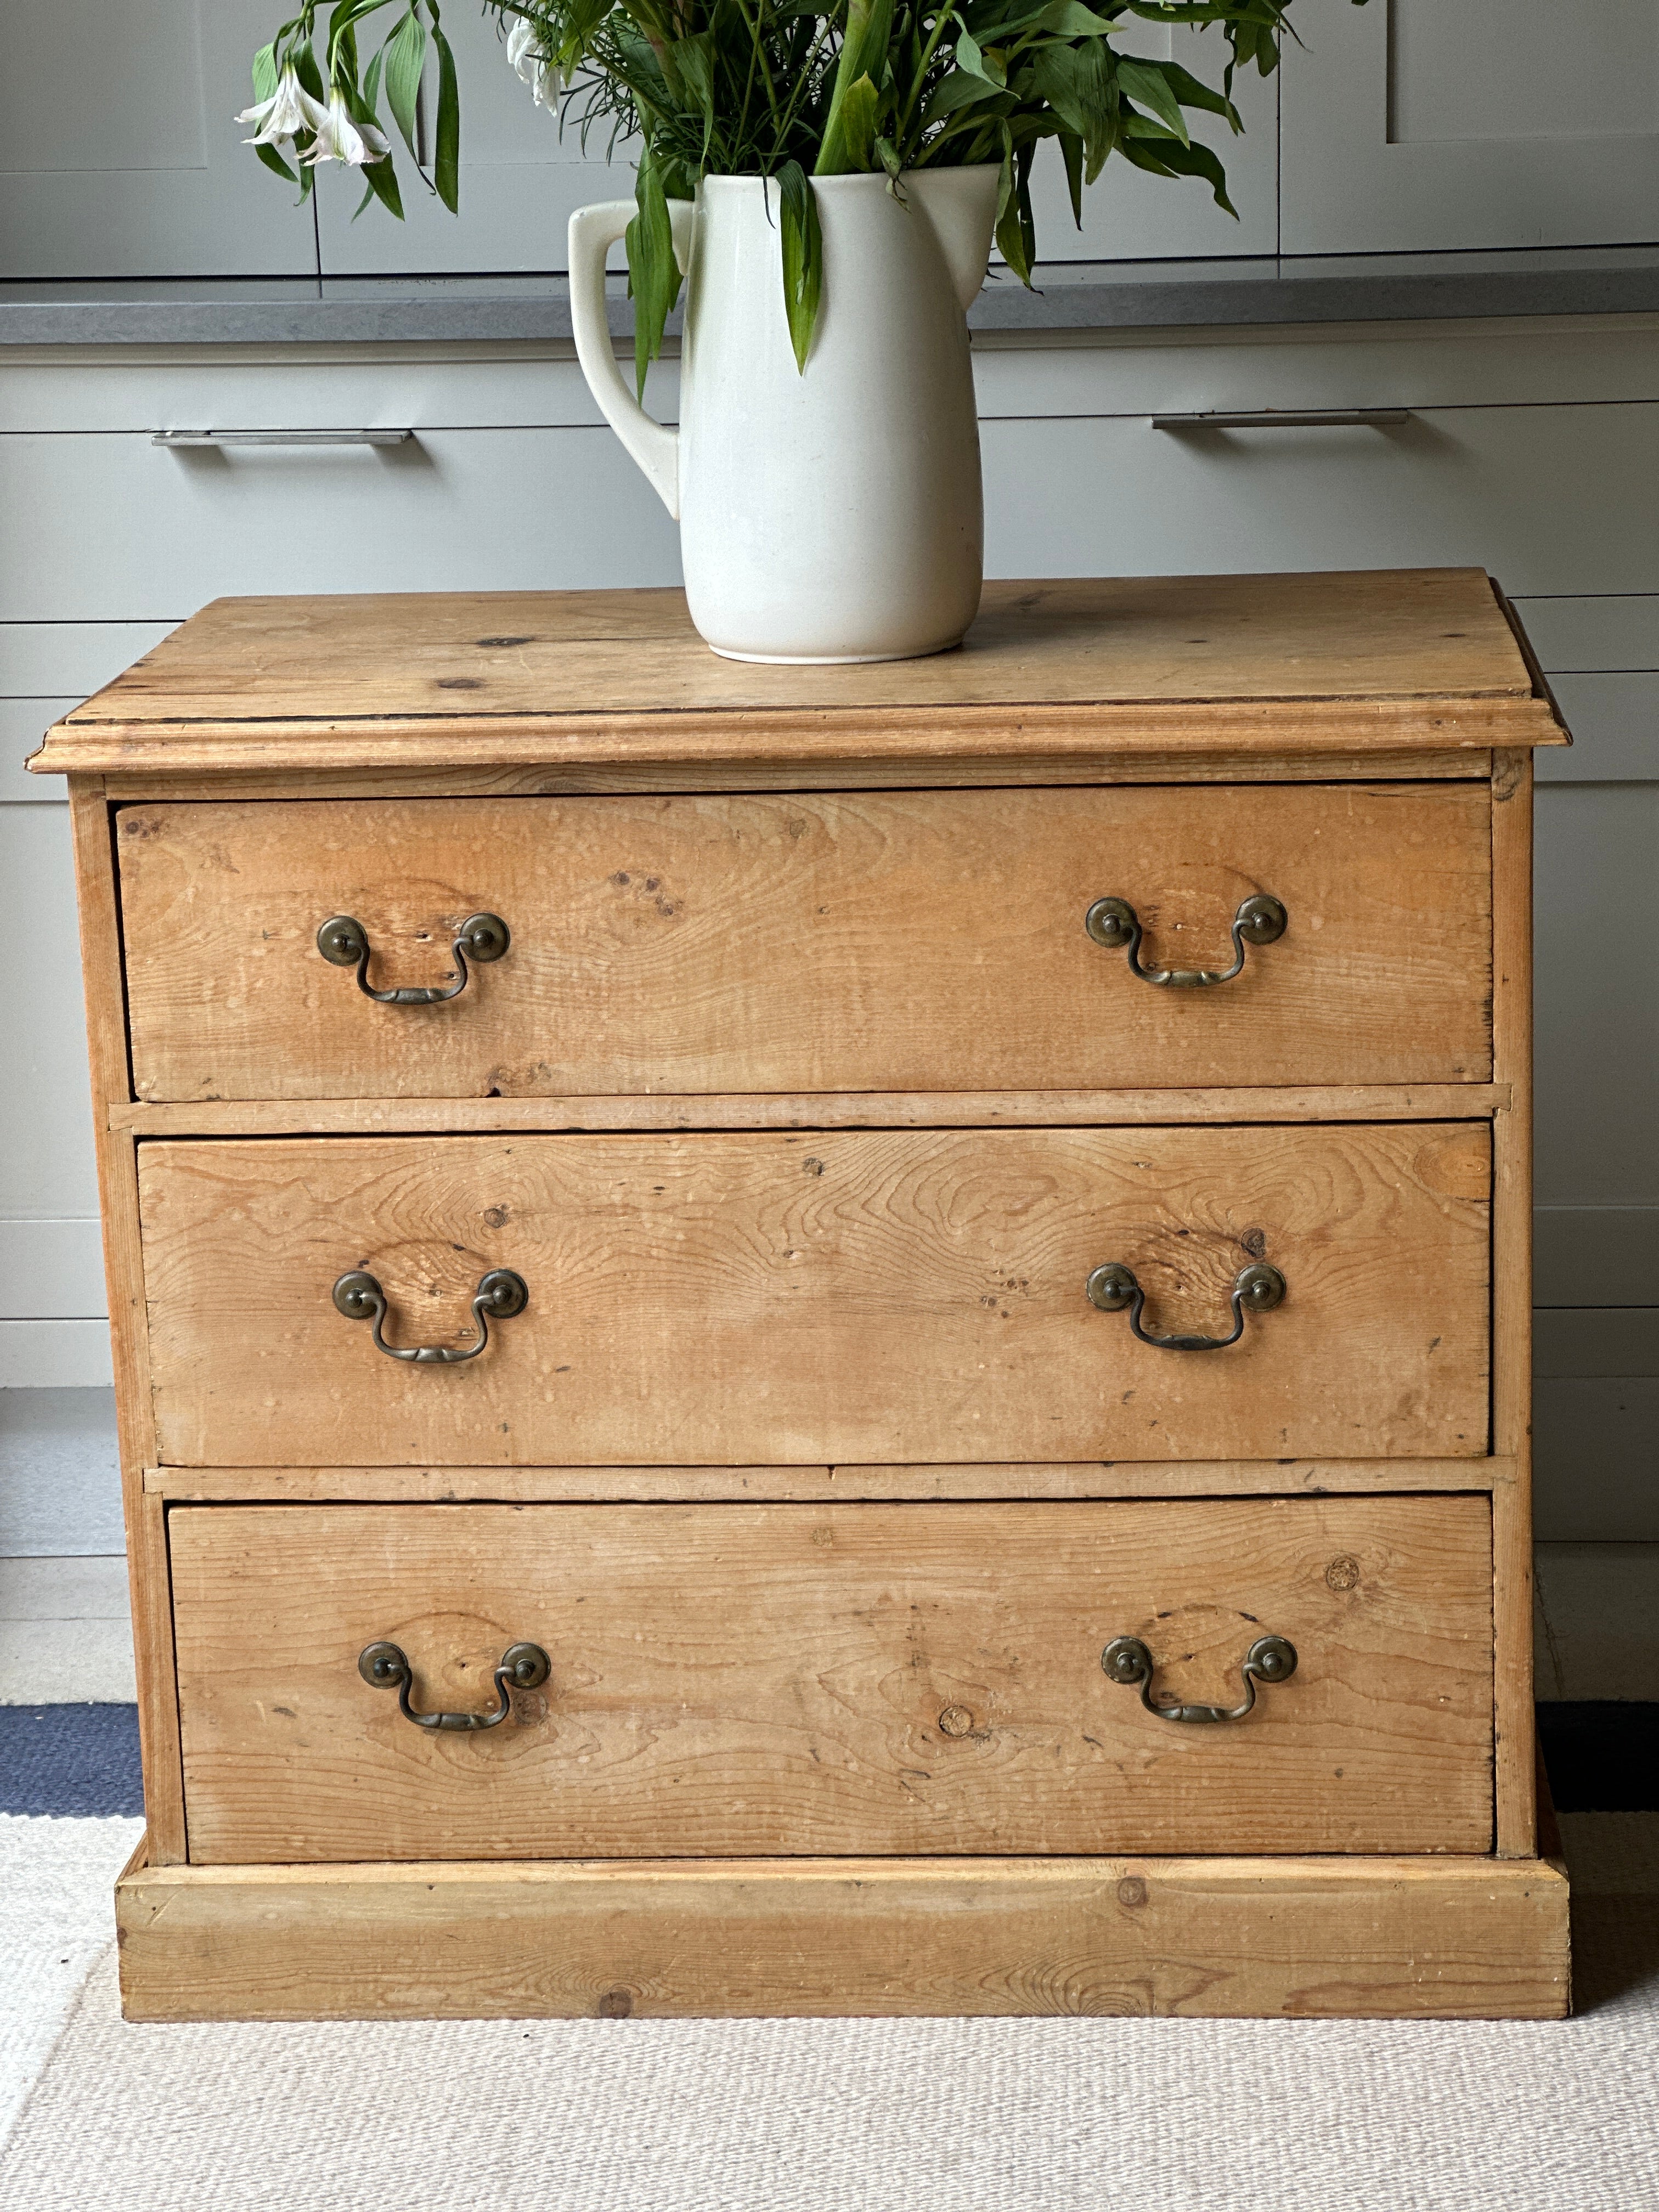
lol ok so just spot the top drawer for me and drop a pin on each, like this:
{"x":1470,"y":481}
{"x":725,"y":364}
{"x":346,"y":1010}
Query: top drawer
{"x":892,"y":941}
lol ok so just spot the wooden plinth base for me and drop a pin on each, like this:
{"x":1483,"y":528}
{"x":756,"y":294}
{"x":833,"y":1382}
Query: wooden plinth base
{"x":1330,"y":1938}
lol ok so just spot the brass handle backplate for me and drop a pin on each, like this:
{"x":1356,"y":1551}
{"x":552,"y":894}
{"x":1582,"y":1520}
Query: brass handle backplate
{"x":524,"y":1667}
{"x":1113,"y":1287}
{"x":499,"y":1295}
{"x":1114,"y":923}
{"x":344,"y":943}
{"x":1128,"y":1660}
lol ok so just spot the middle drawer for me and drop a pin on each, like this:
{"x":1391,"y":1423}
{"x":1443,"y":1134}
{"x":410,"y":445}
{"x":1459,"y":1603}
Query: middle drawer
{"x":878,"y":1296}
{"x":923,"y":940}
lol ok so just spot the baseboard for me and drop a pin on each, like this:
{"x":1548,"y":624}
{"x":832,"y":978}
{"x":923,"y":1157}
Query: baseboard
{"x":1312,"y":1938}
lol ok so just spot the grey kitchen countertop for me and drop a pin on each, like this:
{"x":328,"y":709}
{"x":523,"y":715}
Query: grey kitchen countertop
{"x":1069,"y":296}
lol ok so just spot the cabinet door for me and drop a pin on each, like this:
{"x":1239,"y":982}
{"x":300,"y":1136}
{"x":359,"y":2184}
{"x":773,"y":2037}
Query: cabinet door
{"x":1417,"y":126}
{"x":118,"y":150}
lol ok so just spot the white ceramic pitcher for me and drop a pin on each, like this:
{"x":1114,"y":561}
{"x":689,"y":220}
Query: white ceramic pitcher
{"x":836,"y":514}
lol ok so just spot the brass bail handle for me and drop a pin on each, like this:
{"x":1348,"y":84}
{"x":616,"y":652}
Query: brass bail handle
{"x":500,"y":1295}
{"x":344,"y":943}
{"x":1113,"y":922}
{"x":1259,"y":1287}
{"x":1128,"y":1660}
{"x":524,"y":1667}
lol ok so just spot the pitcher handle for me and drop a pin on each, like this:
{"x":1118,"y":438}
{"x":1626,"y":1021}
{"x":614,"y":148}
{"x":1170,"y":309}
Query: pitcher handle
{"x":593,"y":232}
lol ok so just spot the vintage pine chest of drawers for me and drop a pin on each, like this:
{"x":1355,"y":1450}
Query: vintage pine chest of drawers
{"x":808,"y":1341}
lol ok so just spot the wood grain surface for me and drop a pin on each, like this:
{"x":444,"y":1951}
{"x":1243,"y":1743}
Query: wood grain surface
{"x":826,"y":1679}
{"x":1393,"y":658}
{"x":821,"y":1109}
{"x":446,"y":1486}
{"x":900,"y":941}
{"x":1512,"y":1296}
{"x":1190,"y":760}
{"x":123,"y":1281}
{"x":1296,"y":1938}
{"x":874,"y":1296}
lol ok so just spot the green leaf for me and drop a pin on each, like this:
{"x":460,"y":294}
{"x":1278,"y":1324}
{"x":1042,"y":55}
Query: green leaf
{"x":1079,"y":85}
{"x":1070,"y":148}
{"x":1172,"y":158}
{"x":305,"y":68}
{"x":405,"y":58}
{"x":653,"y":274}
{"x":858,"y":124}
{"x":1070,"y":19}
{"x":989,"y":67}
{"x":274,"y":161}
{"x":958,"y":90}
{"x":863,"y":54}
{"x":447,"y":142}
{"x":1146,"y":82}
{"x":1192,"y":92}
{"x":1016,"y":227}
{"x":803,"y":257}
{"x":265,"y":74}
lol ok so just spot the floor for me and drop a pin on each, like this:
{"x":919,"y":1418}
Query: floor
{"x":65,"y":1632}
{"x":1022,"y":2115}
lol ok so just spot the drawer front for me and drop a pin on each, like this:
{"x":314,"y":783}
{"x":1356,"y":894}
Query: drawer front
{"x":902,"y":941}
{"x":857,"y":1296}
{"x":739,"y":1679}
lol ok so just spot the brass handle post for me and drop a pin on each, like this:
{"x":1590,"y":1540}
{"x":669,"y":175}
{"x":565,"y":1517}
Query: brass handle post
{"x":1128,"y":1660}
{"x":499,"y":1295}
{"x":343,"y":943}
{"x":1113,"y":1287}
{"x":524,"y":1667}
{"x":1113,"y":922}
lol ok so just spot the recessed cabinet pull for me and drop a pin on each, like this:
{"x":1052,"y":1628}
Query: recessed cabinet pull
{"x":501,"y":1294}
{"x":343,"y":943}
{"x":1128,"y":1660}
{"x":1114,"y":923}
{"x":1287,"y":418}
{"x":524,"y":1667}
{"x":1113,"y":1287}
{"x":175,"y":439}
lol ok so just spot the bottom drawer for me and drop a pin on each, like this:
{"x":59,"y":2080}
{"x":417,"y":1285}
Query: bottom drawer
{"x":746,"y":1680}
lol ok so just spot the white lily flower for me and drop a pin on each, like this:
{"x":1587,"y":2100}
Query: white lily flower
{"x":521,"y":49}
{"x":340,"y":139}
{"x":289,"y":111}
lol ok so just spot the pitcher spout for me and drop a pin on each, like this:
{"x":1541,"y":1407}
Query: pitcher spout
{"x":961,"y":205}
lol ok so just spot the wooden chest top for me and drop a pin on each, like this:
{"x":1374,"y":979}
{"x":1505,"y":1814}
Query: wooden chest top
{"x":1411,"y":660}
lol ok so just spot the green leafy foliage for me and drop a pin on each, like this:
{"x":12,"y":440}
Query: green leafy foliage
{"x":803,"y":255}
{"x":792,"y":89}
{"x":653,"y":274}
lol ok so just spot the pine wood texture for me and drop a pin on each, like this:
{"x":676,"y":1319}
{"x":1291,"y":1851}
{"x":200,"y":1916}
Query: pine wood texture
{"x":1184,"y":761}
{"x":805,"y":1106}
{"x":118,"y":1186}
{"x":828,"y":1110}
{"x":739,"y":1680}
{"x":1512,"y":800}
{"x":871,"y":943}
{"x":1296,"y":1938}
{"x":448,"y":1486}
{"x":870,"y":1296}
{"x":1090,"y":667}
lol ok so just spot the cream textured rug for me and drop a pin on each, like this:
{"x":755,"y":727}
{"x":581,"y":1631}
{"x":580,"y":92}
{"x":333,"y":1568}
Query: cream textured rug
{"x":929,"y":2116}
